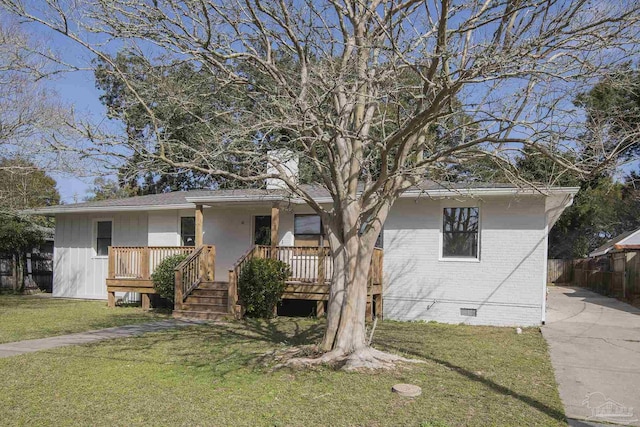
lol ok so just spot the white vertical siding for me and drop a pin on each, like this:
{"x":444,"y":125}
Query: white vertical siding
{"x":504,"y":286}
{"x":286,"y":228}
{"x":77,"y":271}
{"x":230,"y":229}
{"x":164,"y":228}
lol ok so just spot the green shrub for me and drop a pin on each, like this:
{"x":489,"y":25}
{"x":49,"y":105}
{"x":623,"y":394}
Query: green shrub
{"x":164,"y":276}
{"x":261,"y":285}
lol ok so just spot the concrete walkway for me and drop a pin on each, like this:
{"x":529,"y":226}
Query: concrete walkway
{"x":595,"y":351}
{"x":30,"y":346}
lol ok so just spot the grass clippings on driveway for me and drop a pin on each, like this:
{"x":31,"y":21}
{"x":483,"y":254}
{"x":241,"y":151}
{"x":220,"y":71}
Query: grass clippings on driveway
{"x":24,"y":317}
{"x":218,"y":375}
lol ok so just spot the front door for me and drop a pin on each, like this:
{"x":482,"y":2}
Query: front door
{"x":262,"y":230}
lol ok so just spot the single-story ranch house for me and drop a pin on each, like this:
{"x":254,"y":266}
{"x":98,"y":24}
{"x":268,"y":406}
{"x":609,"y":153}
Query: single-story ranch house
{"x":461,"y":254}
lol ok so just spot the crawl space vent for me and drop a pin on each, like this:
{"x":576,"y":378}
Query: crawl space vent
{"x":472,"y":312}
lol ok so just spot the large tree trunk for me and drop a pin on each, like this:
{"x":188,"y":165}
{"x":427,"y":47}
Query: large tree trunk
{"x":351,"y":251}
{"x":345,"y":332}
{"x":336,"y":294}
{"x":345,"y":336}
{"x":351,"y":330}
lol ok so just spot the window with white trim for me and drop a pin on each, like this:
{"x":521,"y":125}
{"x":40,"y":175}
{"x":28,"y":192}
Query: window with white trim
{"x":460,"y":232}
{"x":104,"y":234}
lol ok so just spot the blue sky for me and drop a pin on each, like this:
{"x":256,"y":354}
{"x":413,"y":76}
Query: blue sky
{"x":76,"y":90}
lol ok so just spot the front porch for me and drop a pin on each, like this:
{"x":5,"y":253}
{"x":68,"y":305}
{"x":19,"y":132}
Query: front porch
{"x":207,"y":281}
{"x":200,"y":294}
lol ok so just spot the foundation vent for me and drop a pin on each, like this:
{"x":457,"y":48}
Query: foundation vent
{"x":471,"y":312}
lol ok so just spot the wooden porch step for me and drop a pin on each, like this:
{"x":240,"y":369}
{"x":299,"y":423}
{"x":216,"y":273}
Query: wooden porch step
{"x":206,"y":299}
{"x":215,"y":307}
{"x":214,"y":286}
{"x":203,"y":315}
{"x":212,"y":293}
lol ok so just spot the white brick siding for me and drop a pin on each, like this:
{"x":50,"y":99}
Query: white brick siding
{"x":505,"y":285}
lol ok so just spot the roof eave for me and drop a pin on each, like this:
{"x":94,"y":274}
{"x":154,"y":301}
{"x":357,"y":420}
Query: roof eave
{"x":235,"y":198}
{"x":192,"y":201}
{"x":489,"y":192}
{"x":89,"y":209}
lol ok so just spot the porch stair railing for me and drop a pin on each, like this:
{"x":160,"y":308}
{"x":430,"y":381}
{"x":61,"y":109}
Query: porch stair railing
{"x":234,"y":273}
{"x":198,"y":267}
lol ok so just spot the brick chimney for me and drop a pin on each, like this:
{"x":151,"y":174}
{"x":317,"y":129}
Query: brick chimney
{"x":285,"y":159}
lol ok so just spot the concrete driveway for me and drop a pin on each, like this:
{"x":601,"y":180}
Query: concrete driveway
{"x":595,"y":351}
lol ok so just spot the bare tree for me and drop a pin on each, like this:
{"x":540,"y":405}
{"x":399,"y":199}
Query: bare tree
{"x":366,"y":93}
{"x":31,"y":115}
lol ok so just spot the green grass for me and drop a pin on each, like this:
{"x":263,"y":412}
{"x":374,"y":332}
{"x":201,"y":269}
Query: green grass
{"x":222,"y":375}
{"x":24,"y":317}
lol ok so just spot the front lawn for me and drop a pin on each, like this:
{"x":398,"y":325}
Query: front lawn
{"x":222,"y":375}
{"x":24,"y":317}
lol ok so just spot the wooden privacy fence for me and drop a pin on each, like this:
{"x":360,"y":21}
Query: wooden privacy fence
{"x":560,"y":270}
{"x":603,"y":282}
{"x":616,"y":274}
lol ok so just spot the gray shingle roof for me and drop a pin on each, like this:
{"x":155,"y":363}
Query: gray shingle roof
{"x":182,"y":198}
{"x":172,"y":198}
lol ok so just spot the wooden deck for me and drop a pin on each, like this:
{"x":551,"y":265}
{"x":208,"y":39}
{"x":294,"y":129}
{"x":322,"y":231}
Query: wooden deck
{"x":130,"y":270}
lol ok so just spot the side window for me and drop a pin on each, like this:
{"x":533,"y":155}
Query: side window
{"x":188,"y":230}
{"x":104,"y":231}
{"x":460,"y":232}
{"x":307,"y":230}
{"x":262,"y":230}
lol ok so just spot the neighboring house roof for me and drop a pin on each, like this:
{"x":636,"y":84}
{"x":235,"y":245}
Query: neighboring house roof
{"x":188,"y":199}
{"x":627,"y":240}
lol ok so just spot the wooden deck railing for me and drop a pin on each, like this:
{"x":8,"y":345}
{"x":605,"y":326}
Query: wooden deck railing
{"x":313,"y":264}
{"x":311,"y":271}
{"x":196,"y":268}
{"x":130,"y":267}
{"x":139,"y":262}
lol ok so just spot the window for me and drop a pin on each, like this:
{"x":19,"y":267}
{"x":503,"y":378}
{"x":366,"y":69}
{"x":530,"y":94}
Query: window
{"x":460,"y":232}
{"x":188,"y":230}
{"x":262,"y":230}
{"x":307,"y":230}
{"x":103,"y":237}
{"x":307,"y":224}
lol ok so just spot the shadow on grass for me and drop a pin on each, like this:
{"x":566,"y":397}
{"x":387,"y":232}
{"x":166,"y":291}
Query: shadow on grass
{"x":226,"y":348}
{"x":534,"y":403}
{"x":223,"y":347}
